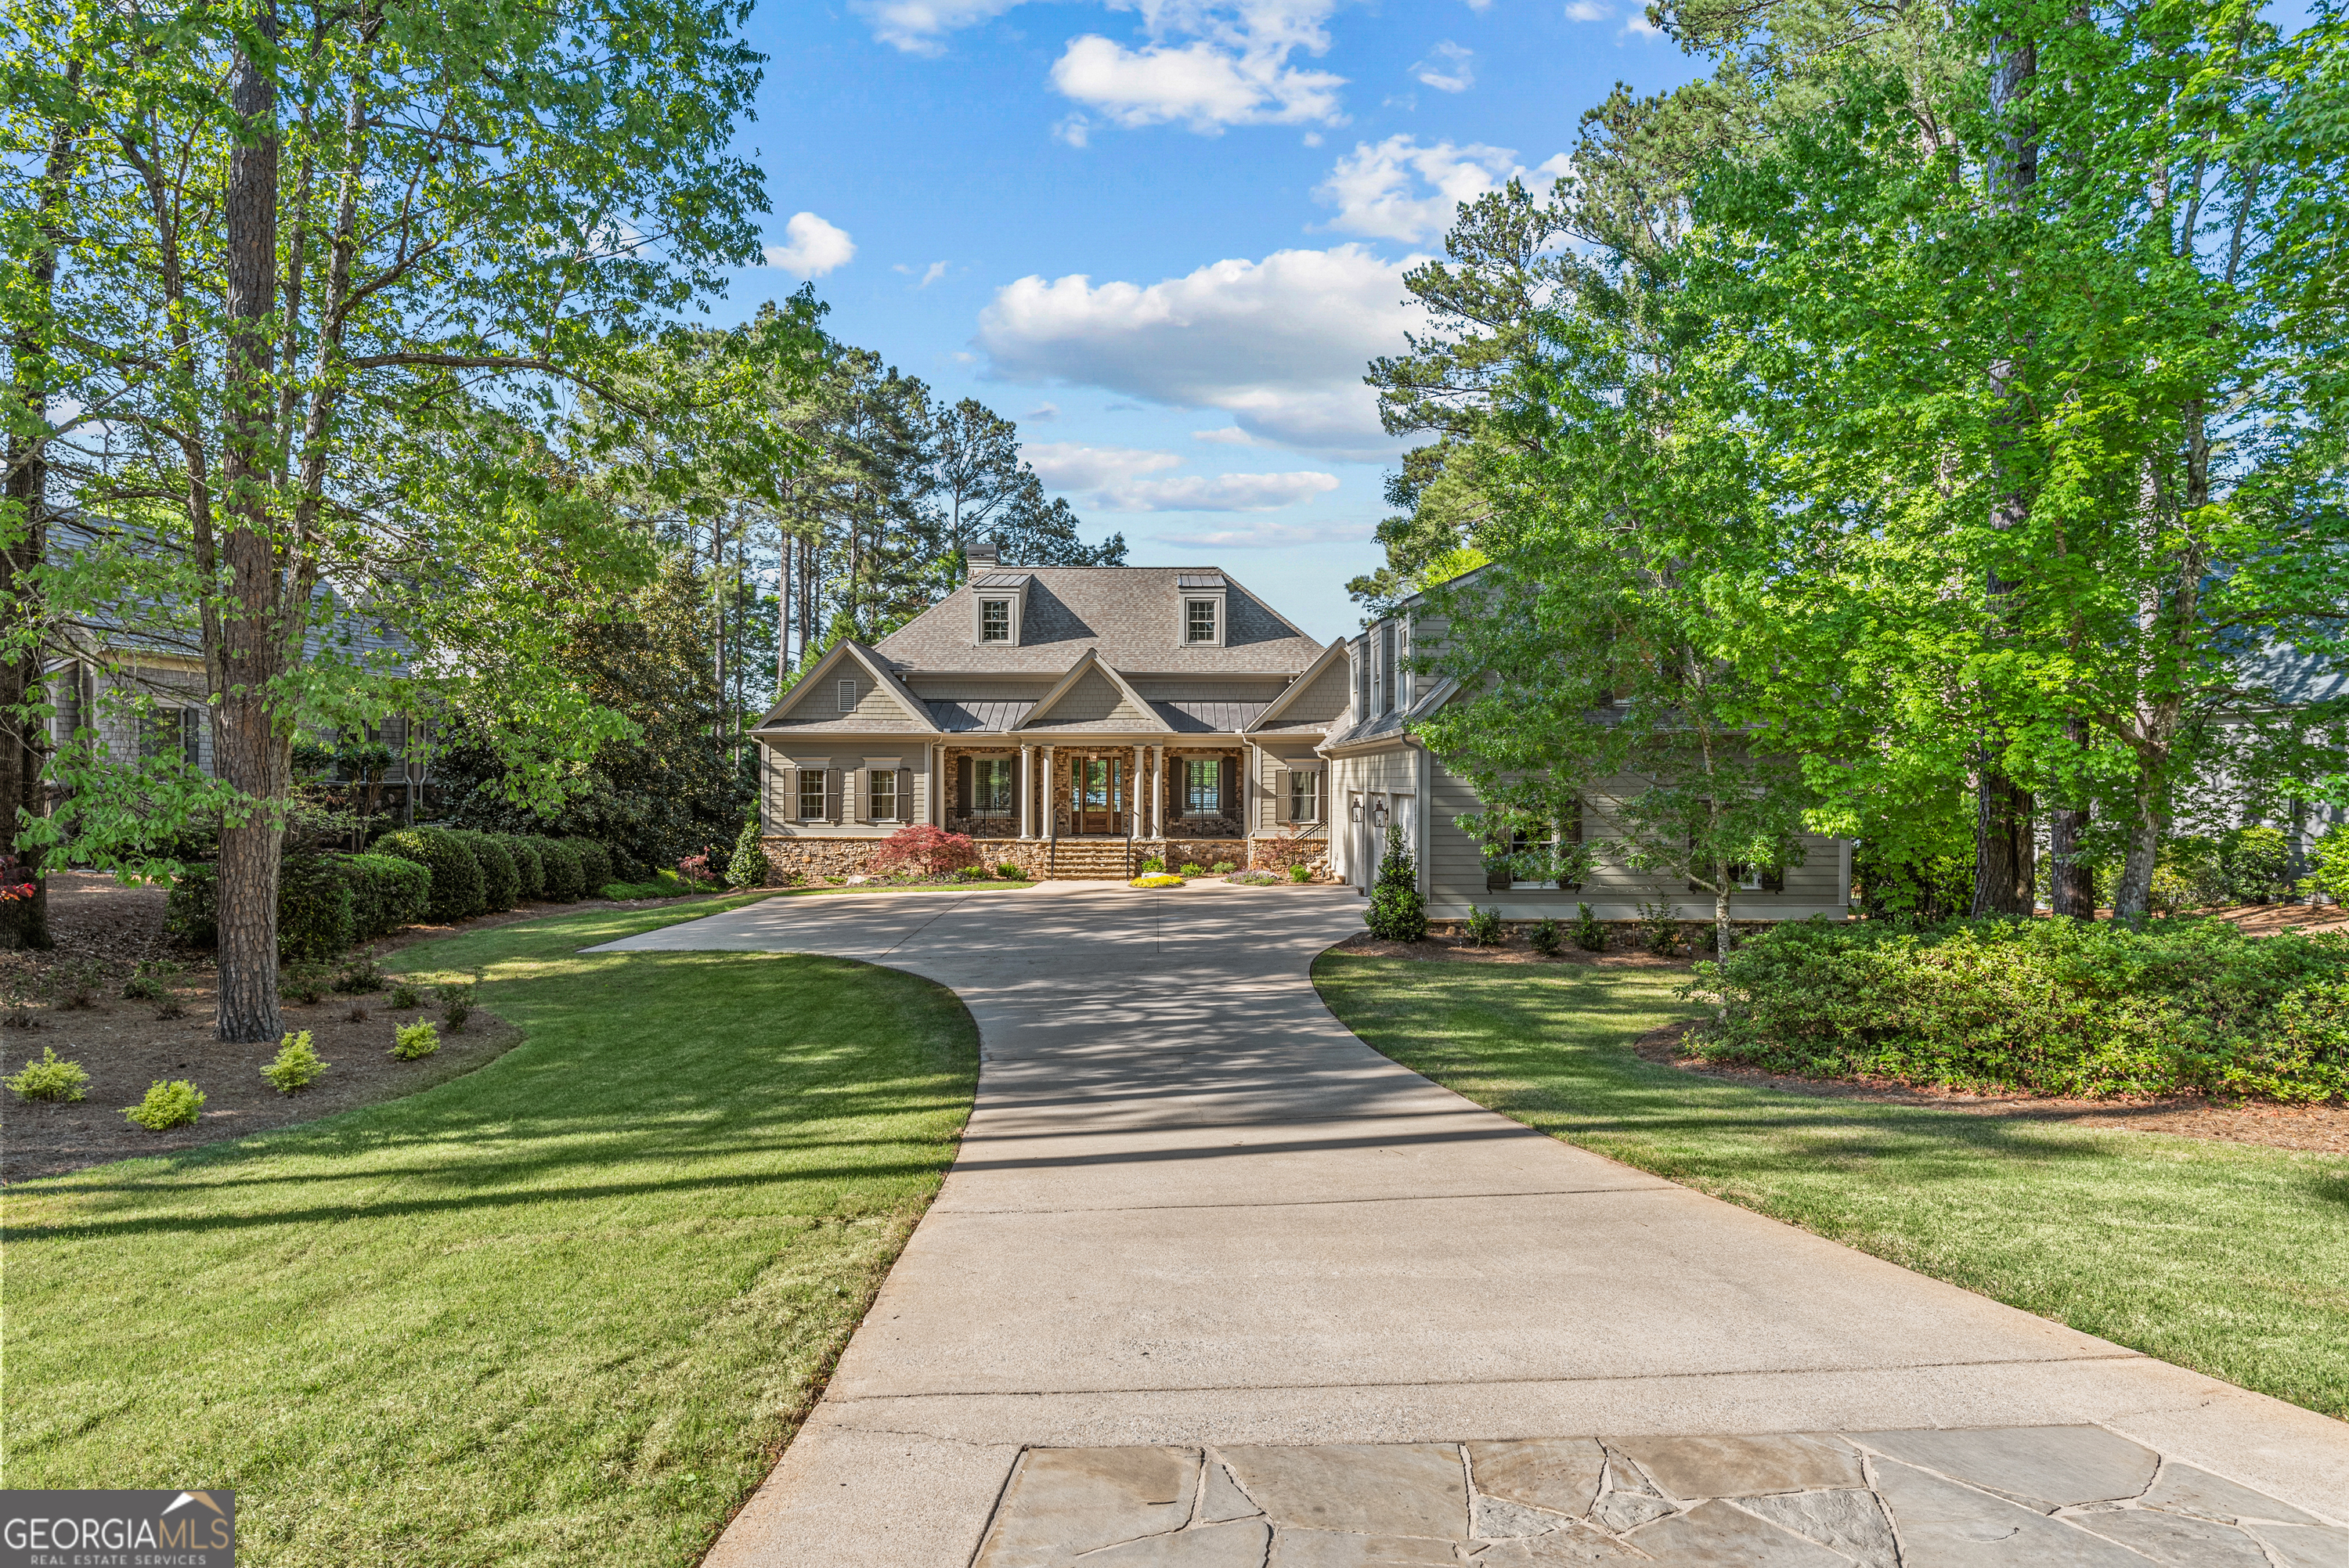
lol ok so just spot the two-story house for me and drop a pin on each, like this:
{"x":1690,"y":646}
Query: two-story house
{"x":1076,"y":720}
{"x":1381,"y":775}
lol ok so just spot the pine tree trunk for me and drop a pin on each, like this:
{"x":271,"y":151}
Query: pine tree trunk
{"x":2133,"y":901}
{"x":2072,"y":886}
{"x":2004,"y":868}
{"x":252,"y":753}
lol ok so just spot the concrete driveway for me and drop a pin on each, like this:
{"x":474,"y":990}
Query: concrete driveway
{"x":1193,"y":1208}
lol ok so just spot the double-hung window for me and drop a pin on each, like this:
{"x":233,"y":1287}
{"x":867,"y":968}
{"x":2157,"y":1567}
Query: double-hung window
{"x":991,"y":786}
{"x":1199,"y":620}
{"x":1304,"y":797}
{"x":995,"y":620}
{"x":882,"y":802}
{"x":811,"y":793}
{"x":1202,"y":787}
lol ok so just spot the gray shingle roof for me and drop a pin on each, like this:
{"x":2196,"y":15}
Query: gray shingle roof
{"x":1130,"y":614}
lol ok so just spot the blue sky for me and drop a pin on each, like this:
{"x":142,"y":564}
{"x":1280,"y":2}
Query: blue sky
{"x":1164,"y":237}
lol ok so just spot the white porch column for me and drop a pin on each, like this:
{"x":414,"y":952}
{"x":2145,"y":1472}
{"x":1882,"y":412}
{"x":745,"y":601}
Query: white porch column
{"x":1027,"y":793}
{"x":1134,"y":795}
{"x":1158,"y":790}
{"x":1051,"y":818}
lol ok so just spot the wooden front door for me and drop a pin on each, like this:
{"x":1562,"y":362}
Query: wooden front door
{"x":1101,"y":794}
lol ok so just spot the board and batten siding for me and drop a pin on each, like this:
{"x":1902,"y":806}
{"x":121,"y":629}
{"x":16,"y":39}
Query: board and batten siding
{"x":1614,"y":891}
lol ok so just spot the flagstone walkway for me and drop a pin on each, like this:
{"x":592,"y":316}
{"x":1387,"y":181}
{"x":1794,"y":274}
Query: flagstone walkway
{"x":1194,"y":1215}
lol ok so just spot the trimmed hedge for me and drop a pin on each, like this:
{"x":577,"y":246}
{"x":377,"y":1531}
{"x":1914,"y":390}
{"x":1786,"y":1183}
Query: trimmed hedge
{"x":324,"y":902}
{"x":595,"y":866}
{"x":501,"y":879}
{"x":2059,"y":1007}
{"x":565,"y":880}
{"x":528,"y":866}
{"x":458,"y":889}
{"x":387,"y":892}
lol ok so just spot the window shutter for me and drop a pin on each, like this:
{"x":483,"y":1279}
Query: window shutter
{"x":1573,"y":832}
{"x":906,"y":796}
{"x":1227,"y":794}
{"x":1280,"y":796}
{"x":963,"y":766}
{"x":1773,"y":879}
{"x":836,"y":781}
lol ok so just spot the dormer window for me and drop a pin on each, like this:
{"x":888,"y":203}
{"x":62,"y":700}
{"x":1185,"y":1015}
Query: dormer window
{"x":1199,"y":622}
{"x":995,"y":620}
{"x":998,"y":602}
{"x":1203,"y":594}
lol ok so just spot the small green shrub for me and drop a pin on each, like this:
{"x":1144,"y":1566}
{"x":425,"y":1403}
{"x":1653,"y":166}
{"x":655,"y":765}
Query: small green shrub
{"x":73,"y":985}
{"x":302,"y":983}
{"x":295,"y":1067}
{"x":970,"y":874}
{"x":144,"y":988}
{"x":747,"y":866}
{"x":409,"y":1041}
{"x":501,"y":878}
{"x":1154,"y":866}
{"x":1660,"y":929}
{"x":1484,"y":926}
{"x":1193,"y":869}
{"x":1009,"y":871}
{"x":1397,"y":913}
{"x":1299,"y":871}
{"x":2329,"y":858}
{"x":166,"y":1105}
{"x":51,"y":1077}
{"x":1225,"y":868}
{"x":359,"y":977}
{"x":405,"y":997}
{"x":1589,"y":934}
{"x":566,"y":880}
{"x":456,"y":1005}
{"x":1254,"y":879}
{"x":1547,"y":938}
{"x":460,"y":888}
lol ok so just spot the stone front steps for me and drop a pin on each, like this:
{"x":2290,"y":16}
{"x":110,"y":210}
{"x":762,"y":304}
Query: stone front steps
{"x":1090,"y":860}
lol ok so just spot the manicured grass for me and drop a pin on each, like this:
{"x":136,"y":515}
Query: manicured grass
{"x":2227,"y":1258}
{"x":563,"y":1310}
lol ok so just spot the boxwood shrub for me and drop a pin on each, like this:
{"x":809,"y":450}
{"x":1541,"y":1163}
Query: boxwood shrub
{"x":2058,"y":1006}
{"x":387,"y":892}
{"x":566,"y":879}
{"x":594,"y":865}
{"x":501,"y":879}
{"x":528,"y":869}
{"x":457,"y":890}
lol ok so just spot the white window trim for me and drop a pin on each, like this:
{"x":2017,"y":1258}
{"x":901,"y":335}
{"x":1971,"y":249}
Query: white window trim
{"x":1009,"y":606}
{"x":872,"y":795}
{"x":845,"y":694}
{"x":1219,"y":607}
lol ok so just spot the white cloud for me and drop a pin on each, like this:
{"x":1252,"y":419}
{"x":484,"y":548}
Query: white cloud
{"x":812,"y":247}
{"x":1202,"y":86}
{"x":1637,"y":23}
{"x":1480,"y":6}
{"x":1447,"y":68}
{"x":918,"y":26}
{"x":1043,"y":411}
{"x":931,"y":275}
{"x":1377,"y":187}
{"x":1229,"y":436}
{"x":1117,"y":479}
{"x":1280,"y":345}
{"x":1069,"y":466}
{"x":1588,"y":10}
{"x":1272,"y":535}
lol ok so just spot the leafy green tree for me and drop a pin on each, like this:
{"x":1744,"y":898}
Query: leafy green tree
{"x":329,"y":268}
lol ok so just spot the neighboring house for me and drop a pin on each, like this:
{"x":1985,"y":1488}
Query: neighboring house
{"x":1077,"y":721}
{"x":1381,"y":775}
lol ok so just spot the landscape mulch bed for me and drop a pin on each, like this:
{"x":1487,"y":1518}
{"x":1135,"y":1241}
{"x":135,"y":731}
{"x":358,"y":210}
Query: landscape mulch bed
{"x":125,"y":1046}
{"x":2321,"y":1129}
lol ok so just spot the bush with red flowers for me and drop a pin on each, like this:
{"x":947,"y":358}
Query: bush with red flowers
{"x":932,"y":852}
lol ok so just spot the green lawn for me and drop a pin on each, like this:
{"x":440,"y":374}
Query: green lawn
{"x":2227,"y":1258}
{"x":563,"y":1310}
